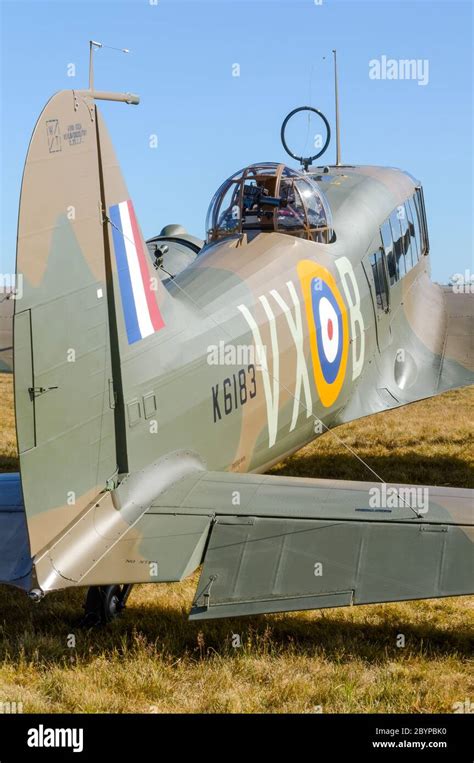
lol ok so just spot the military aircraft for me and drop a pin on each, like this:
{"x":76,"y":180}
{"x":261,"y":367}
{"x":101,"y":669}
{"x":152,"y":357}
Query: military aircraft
{"x":154,"y":389}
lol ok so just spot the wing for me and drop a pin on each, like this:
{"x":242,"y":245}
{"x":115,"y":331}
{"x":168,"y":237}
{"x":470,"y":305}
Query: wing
{"x":269,"y":543}
{"x":280,"y":543}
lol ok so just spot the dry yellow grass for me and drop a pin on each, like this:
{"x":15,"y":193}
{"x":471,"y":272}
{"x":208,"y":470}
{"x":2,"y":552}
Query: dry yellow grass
{"x":8,"y":451}
{"x":339,"y":660}
{"x":428,"y":443}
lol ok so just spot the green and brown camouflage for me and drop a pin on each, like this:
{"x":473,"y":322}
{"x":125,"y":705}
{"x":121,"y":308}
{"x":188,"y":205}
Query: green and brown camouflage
{"x":143,"y":457}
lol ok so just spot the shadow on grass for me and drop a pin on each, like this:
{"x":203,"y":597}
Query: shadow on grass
{"x":410,"y":469}
{"x":38,"y":634}
{"x":9,"y":464}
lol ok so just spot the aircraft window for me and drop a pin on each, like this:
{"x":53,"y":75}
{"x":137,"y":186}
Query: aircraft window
{"x":397,"y":243}
{"x":379,"y":272}
{"x":412,"y":229}
{"x":228,"y":212}
{"x":402,"y":216}
{"x":270,"y":197}
{"x":387,"y":241}
{"x":315,"y":210}
{"x":405,"y":237}
{"x":292,"y":216}
{"x":425,"y":222}
{"x":420,"y":209}
{"x":416,"y":222}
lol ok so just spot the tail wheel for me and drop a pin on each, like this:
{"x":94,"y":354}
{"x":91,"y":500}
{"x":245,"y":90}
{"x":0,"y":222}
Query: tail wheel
{"x":104,"y":603}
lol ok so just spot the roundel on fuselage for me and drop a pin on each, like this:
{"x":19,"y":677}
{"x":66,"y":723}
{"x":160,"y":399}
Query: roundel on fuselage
{"x":328,"y":329}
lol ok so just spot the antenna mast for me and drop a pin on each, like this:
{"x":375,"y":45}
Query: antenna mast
{"x":92,"y":46}
{"x":102,"y":95}
{"x":336,"y":95}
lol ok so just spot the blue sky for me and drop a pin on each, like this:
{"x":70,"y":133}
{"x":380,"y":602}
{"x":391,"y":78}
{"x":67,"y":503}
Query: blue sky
{"x":210,"y":123}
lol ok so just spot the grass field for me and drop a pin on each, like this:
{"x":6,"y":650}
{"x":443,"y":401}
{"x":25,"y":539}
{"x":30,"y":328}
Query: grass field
{"x":8,"y":451}
{"x":336,"y":660}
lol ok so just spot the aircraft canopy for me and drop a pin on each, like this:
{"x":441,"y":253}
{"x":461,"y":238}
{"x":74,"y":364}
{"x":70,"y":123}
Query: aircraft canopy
{"x":269,"y":197}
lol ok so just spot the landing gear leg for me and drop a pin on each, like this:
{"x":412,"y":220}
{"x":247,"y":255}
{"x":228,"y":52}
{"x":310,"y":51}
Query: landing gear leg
{"x":104,"y":603}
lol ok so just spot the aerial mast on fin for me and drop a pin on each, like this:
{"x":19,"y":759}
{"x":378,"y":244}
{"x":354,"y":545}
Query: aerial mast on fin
{"x":104,"y":95}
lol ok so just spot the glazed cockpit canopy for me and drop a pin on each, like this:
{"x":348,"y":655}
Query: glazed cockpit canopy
{"x":269,"y":197}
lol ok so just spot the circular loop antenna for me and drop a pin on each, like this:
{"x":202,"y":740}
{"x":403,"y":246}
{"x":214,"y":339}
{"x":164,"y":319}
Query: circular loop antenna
{"x":305,"y":161}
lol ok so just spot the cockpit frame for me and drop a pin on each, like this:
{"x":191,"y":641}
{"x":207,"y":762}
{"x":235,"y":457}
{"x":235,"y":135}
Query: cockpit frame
{"x":269,"y":197}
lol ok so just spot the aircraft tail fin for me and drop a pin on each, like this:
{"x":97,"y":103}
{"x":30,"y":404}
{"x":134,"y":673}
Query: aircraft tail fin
{"x":83,"y":278}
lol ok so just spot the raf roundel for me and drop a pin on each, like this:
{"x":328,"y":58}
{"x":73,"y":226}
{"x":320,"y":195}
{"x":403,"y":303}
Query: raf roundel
{"x":328,"y":329}
{"x":328,"y":321}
